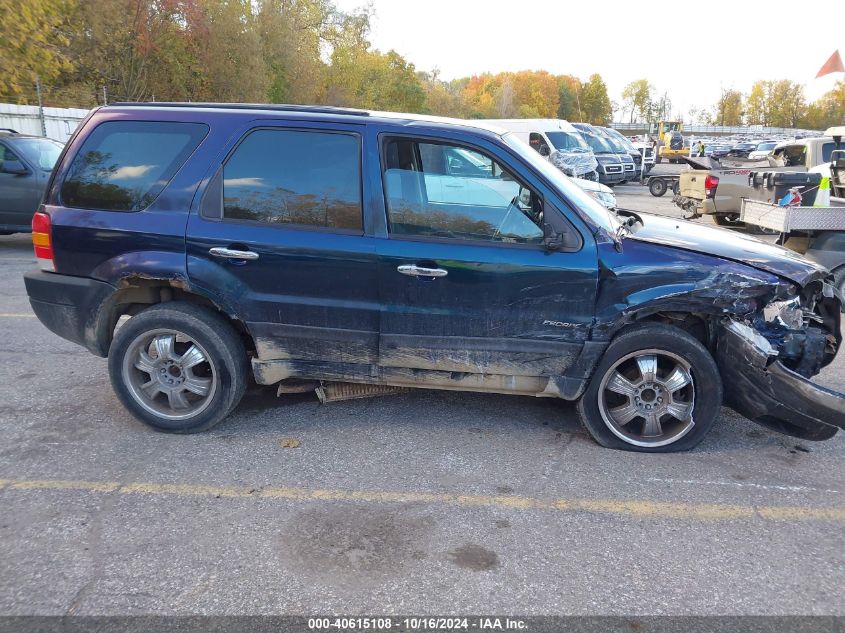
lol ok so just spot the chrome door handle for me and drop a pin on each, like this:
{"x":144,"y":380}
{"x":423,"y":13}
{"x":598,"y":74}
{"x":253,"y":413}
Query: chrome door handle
{"x":417,"y":271}
{"x":228,"y":253}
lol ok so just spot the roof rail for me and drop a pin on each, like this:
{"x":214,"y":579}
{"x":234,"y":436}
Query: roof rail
{"x":8,"y":130}
{"x":279,"y":107}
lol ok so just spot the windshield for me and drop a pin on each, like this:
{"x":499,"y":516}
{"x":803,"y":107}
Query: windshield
{"x":568,"y":141}
{"x":764,"y":146}
{"x":41,"y":152}
{"x":626,"y":142}
{"x":586,"y":203}
{"x":596,"y":143}
{"x":614,"y":144}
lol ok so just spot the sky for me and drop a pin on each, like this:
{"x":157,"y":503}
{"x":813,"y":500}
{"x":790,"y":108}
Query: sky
{"x":690,"y":50}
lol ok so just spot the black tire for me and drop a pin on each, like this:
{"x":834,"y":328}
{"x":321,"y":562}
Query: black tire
{"x":729,"y":220}
{"x":225,"y":372}
{"x":658,"y":160}
{"x":676,"y":187}
{"x":839,"y":282}
{"x":703,"y":406}
{"x":657,"y":187}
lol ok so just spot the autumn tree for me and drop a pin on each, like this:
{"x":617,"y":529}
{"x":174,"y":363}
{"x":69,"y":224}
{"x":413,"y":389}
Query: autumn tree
{"x":728,"y":110}
{"x":595,"y":101}
{"x":443,"y":98}
{"x":787,"y":103}
{"x":32,"y":45}
{"x":636,"y":97}
{"x":828,"y":111}
{"x":569,"y":98}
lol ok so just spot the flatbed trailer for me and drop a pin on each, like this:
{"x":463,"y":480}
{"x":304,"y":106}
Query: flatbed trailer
{"x":817,"y":233}
{"x":658,"y":185}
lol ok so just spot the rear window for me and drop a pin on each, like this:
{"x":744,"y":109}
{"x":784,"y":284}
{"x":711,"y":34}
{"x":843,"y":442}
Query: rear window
{"x":295,"y":177}
{"x":125,"y":165}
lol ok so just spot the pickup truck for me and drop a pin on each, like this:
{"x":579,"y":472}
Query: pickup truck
{"x":719,"y":191}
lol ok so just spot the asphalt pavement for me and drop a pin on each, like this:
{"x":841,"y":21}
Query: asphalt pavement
{"x":420,"y":503}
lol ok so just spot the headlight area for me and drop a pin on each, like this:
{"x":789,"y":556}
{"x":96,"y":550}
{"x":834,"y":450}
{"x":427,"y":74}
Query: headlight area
{"x":766,"y":360}
{"x":803,"y":328}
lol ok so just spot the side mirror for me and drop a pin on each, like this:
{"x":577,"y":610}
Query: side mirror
{"x":544,"y":150}
{"x":14,"y":167}
{"x":554,"y":241}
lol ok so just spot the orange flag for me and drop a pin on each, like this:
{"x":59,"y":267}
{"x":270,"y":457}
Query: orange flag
{"x":832,"y":65}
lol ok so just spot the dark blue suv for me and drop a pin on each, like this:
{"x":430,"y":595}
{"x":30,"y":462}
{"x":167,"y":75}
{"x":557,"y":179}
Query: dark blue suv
{"x":303,"y":245}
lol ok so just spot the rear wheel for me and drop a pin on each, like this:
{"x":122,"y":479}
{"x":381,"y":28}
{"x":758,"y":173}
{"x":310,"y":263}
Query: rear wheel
{"x":657,"y":187}
{"x":676,"y":187}
{"x":178,"y":367}
{"x":657,"y":389}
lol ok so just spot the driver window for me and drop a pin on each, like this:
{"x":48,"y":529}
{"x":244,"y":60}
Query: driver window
{"x":537,"y":141}
{"x":441,"y":190}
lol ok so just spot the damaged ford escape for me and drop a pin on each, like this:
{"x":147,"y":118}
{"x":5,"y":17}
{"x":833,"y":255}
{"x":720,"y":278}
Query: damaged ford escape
{"x":298,"y":245}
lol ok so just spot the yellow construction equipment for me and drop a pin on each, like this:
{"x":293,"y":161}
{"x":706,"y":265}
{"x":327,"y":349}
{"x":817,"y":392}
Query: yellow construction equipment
{"x":671,"y":143}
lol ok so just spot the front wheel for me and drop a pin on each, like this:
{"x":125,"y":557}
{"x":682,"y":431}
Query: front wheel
{"x":657,"y":389}
{"x":178,"y":367}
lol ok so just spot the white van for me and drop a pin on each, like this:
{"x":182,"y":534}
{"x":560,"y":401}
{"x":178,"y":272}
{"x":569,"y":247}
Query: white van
{"x":558,"y":141}
{"x":564,"y":147}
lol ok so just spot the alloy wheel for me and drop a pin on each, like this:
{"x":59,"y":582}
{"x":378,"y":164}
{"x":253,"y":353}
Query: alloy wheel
{"x":647,"y":398}
{"x":169,"y":374}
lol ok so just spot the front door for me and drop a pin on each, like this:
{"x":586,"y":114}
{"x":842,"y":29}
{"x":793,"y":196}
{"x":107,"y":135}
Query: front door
{"x":20,"y":193}
{"x":279,"y":241}
{"x":466,"y":282}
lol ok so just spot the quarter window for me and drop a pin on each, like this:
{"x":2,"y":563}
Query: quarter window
{"x":295,"y":177}
{"x":441,"y":190}
{"x":124,"y":165}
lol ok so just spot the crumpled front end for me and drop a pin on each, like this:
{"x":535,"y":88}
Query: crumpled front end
{"x":768,"y":358}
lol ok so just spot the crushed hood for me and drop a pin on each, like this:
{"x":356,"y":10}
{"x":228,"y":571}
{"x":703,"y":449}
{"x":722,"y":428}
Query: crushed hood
{"x":728,"y":245}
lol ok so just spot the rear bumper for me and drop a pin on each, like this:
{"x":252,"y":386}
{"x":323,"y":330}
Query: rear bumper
{"x":70,"y":307}
{"x":762,"y":389}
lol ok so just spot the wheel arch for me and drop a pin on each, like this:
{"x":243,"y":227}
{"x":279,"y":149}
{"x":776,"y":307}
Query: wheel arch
{"x":134,"y":293}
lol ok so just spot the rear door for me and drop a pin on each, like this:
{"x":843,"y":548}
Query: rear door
{"x":466,"y":282}
{"x":279,"y":240}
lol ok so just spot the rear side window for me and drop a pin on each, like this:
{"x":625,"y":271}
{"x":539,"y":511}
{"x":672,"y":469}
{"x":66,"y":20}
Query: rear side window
{"x":293,"y":177}
{"x":125,"y":165}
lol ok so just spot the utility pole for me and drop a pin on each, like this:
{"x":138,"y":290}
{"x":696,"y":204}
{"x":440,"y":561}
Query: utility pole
{"x":105,"y":101}
{"x":40,"y":107}
{"x":578,"y":101}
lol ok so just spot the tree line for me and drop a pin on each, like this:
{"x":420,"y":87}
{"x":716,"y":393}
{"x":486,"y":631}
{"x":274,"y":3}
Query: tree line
{"x":86,"y":52}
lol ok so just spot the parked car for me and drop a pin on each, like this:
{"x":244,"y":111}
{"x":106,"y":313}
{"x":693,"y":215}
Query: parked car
{"x":763,"y":149}
{"x":557,"y":141}
{"x":295,"y":243}
{"x":610,"y":169}
{"x":742,"y":150}
{"x":561,"y":144}
{"x":629,"y":167}
{"x":25,"y":165}
{"x":640,"y":165}
{"x":718,"y":150}
{"x":719,"y":192}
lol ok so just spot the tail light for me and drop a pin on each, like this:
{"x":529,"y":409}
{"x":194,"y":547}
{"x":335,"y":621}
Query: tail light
{"x":42,"y":241}
{"x":710,"y":184}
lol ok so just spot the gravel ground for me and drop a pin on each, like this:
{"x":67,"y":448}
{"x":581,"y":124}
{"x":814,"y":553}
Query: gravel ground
{"x":424,"y":503}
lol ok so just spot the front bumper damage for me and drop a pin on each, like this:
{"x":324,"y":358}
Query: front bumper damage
{"x":759,"y":386}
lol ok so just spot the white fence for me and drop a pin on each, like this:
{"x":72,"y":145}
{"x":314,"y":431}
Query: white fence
{"x":59,"y":123}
